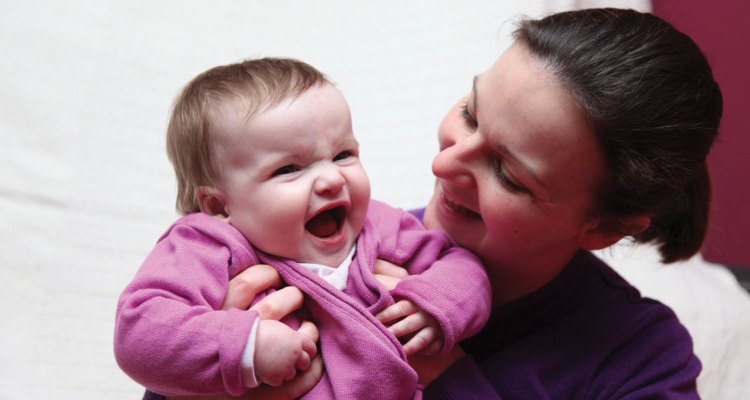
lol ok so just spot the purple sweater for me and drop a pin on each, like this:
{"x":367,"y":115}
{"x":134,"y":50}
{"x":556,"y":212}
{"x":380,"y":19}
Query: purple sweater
{"x":588,"y":334}
{"x":171,"y":336}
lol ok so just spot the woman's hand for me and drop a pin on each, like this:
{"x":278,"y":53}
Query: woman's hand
{"x":241,"y":292}
{"x":244,"y":287}
{"x":430,"y":367}
{"x":388,"y":274}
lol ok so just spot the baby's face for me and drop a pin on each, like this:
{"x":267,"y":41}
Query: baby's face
{"x":291,"y":178}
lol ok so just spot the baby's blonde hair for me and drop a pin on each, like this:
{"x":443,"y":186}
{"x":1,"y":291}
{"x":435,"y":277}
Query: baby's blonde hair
{"x":257,"y":83}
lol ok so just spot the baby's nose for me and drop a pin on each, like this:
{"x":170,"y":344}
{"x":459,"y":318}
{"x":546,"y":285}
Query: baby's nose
{"x":329,"y":180}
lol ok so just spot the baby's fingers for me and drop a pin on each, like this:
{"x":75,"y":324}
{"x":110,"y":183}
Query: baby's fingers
{"x":433,"y":348}
{"x":399,"y":310}
{"x":410,"y":324}
{"x":308,"y":347}
{"x":310,"y":330}
{"x":303,"y":362}
{"x":425,"y":340}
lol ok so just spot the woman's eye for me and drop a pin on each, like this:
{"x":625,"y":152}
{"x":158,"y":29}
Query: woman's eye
{"x":506,"y":181}
{"x":468,"y":118}
{"x":342,"y":155}
{"x":287,"y":169}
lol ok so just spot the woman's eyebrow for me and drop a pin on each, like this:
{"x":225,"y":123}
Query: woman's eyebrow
{"x":474,"y":94}
{"x":506,"y":152}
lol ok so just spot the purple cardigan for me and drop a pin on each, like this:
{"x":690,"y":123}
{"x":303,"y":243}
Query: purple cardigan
{"x":171,"y":336}
{"x":588,"y":334}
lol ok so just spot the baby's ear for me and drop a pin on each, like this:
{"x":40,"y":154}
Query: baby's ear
{"x":601,"y":234}
{"x":211,"y":201}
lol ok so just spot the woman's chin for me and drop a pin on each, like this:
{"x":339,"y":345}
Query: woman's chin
{"x":430,"y":219}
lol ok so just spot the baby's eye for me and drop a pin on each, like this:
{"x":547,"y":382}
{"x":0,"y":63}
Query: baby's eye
{"x":342,"y":155}
{"x":287,"y":169}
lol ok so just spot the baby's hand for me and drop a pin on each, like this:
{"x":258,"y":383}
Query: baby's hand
{"x":280,"y":351}
{"x":421,"y":329}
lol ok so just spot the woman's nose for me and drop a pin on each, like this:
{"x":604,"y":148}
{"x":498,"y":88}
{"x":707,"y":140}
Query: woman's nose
{"x":329,"y":180}
{"x":456,"y":162}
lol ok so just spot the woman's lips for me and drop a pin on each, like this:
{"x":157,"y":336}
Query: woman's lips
{"x":455,"y":207}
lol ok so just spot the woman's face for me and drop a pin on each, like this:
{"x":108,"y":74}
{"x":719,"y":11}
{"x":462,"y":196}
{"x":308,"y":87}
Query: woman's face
{"x":516,"y":171}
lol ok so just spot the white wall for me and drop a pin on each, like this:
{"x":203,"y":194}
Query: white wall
{"x":85,"y":186}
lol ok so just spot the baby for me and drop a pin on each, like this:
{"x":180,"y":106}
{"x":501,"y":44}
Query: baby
{"x":268,"y":172}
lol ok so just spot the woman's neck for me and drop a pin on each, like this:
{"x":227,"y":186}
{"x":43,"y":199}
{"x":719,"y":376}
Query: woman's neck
{"x":509,"y":284}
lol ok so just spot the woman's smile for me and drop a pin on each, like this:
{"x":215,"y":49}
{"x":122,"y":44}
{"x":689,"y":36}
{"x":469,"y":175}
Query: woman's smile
{"x":458,"y":208}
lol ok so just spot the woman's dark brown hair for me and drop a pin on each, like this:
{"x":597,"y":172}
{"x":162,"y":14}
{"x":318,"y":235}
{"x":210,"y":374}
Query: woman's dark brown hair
{"x":650,"y":97}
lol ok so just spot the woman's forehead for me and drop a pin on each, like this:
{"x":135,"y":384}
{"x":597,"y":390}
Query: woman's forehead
{"x":522,"y":107}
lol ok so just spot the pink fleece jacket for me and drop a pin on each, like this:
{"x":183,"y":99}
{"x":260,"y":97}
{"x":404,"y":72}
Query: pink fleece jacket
{"x":171,"y":337}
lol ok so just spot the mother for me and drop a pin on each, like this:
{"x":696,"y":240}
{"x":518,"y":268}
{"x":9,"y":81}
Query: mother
{"x":593,"y":126}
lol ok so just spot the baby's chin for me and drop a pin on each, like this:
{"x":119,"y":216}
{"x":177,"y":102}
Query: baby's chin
{"x":333,"y":259}
{"x":330,"y":251}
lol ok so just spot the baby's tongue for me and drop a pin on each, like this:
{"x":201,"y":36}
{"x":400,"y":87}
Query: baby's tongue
{"x":322,"y":225}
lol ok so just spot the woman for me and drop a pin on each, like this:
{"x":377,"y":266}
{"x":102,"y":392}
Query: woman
{"x":593,"y":126}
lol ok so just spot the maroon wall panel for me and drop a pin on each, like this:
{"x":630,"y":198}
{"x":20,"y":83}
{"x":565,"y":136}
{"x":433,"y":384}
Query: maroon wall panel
{"x":722,"y":30}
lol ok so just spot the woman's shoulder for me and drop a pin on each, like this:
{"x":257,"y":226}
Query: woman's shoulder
{"x":632,"y":326}
{"x":616,"y":297}
{"x":589,"y":335}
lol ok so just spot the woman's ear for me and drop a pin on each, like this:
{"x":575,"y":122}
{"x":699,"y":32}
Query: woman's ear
{"x":601,"y":234}
{"x":211,"y":201}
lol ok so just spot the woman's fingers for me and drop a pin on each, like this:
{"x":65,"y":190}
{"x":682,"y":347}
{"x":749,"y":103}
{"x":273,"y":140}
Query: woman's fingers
{"x":383,"y":267}
{"x":388,"y":274}
{"x":280,"y":303}
{"x":388,"y":282}
{"x":244,"y":287}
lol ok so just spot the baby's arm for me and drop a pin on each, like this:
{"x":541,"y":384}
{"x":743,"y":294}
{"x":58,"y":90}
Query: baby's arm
{"x":170,"y":334}
{"x":445,"y":281}
{"x":242,"y":293}
{"x":421,"y":330}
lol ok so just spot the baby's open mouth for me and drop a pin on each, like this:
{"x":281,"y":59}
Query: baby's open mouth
{"x":326,"y":223}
